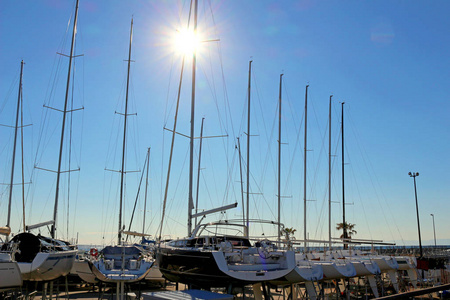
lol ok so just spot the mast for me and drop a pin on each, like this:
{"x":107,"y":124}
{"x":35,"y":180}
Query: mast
{"x":23,"y":171}
{"x":61,"y":145}
{"x":248,"y":146}
{"x":329,"y":175}
{"x":279,"y":159}
{"x":198,"y":170}
{"x":242,"y":188}
{"x":19,"y":96}
{"x":122,"y":170}
{"x":304,"y":169}
{"x":343,"y":186}
{"x":146,"y":188}
{"x":191,"y":151}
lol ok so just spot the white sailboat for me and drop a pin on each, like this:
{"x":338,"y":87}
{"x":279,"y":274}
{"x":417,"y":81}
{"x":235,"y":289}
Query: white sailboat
{"x":10,"y":276}
{"x":305,"y":270}
{"x":122,"y":263}
{"x":332,"y":269}
{"x":44,"y":258}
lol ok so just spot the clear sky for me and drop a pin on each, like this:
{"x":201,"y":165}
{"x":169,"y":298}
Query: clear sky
{"x":388,"y":60}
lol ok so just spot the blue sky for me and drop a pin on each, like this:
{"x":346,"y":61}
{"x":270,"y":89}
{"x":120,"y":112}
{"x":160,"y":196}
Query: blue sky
{"x":387,"y":60}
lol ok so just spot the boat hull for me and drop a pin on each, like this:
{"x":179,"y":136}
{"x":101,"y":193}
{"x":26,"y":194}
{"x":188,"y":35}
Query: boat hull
{"x":48,"y":266}
{"x":10,"y":276}
{"x":208,"y":269}
{"x":336,"y":270}
{"x":385,"y":263}
{"x":113,"y":275}
{"x":365,"y":267}
{"x":82,"y":269}
{"x":304,"y":271}
{"x":197,"y":268}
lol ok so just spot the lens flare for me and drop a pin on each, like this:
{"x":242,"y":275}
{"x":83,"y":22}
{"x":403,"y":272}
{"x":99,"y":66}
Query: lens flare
{"x":186,"y":41}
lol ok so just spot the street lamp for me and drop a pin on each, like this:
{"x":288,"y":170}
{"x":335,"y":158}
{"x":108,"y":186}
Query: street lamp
{"x":413,"y":175}
{"x":434,"y":231}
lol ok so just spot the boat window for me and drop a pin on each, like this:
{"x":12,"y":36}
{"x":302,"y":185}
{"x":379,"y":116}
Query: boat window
{"x":239,"y":242}
{"x":199,"y":242}
{"x":178,"y":243}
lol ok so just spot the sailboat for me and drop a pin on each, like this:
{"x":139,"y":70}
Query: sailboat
{"x":43,"y":258}
{"x":10,"y":276}
{"x":122,"y":263}
{"x":365,"y":265}
{"x":305,"y":271}
{"x":332,"y":269}
{"x":217,"y":254}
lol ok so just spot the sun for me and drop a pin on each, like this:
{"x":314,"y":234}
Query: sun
{"x":186,"y":41}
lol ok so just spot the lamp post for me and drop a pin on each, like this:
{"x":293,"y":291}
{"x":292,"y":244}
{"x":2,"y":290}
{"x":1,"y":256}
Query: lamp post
{"x":413,"y":175}
{"x":434,"y":231}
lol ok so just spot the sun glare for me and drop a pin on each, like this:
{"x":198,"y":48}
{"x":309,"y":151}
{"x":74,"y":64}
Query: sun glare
{"x":186,"y":42}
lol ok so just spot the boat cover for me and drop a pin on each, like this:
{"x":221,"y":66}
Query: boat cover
{"x":5,"y":230}
{"x":29,"y":245}
{"x":118,"y":250}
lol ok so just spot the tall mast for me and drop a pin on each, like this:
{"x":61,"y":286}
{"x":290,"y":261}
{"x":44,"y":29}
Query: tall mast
{"x":191,"y":151}
{"x":198,"y":169}
{"x":343,"y":186}
{"x":304,"y":169}
{"x":19,"y":97}
{"x":23,"y":171}
{"x":248,"y":146}
{"x":279,"y":159}
{"x":146,"y":188}
{"x":329,"y":175}
{"x":122,"y":170}
{"x":61,"y":145}
{"x":242,"y":188}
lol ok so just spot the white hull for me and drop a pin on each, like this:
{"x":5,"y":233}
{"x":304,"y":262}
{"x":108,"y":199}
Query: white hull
{"x":103,"y":272}
{"x":254,"y":268}
{"x":309,"y":271}
{"x":82,"y":269}
{"x":48,"y":266}
{"x":406,"y":262}
{"x":336,"y":270}
{"x":118,"y":264}
{"x":304,"y":271}
{"x":385,"y":263}
{"x":10,"y":276}
{"x":365,"y":267}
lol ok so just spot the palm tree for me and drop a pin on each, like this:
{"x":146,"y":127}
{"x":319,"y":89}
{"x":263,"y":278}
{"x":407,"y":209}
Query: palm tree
{"x":289,"y":236}
{"x":349,"y":229}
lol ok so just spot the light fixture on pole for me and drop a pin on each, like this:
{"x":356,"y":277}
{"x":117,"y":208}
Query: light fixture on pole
{"x":434,"y":231}
{"x":413,"y":175}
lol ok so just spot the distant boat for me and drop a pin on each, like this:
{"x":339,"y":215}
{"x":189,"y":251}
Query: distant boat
{"x":122,"y":263}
